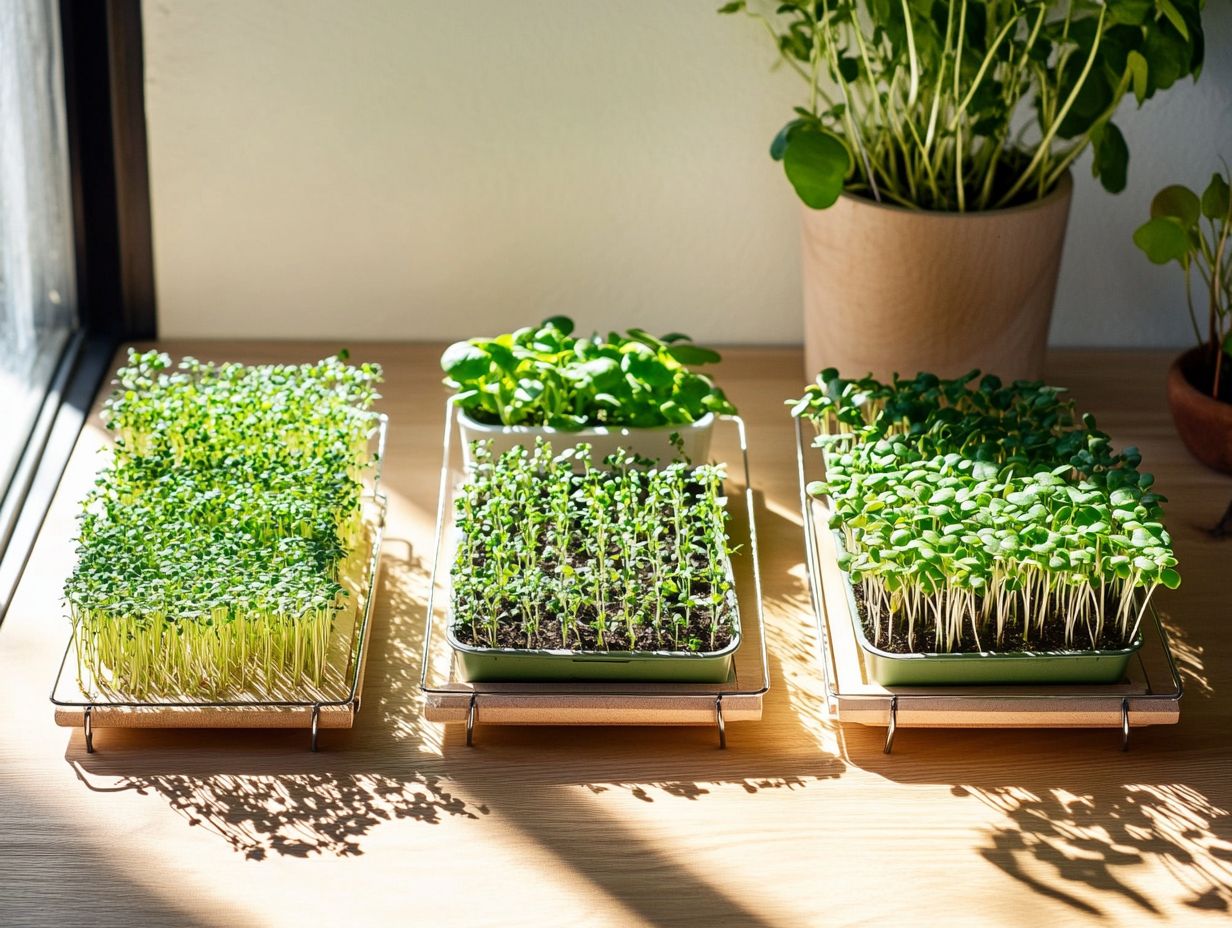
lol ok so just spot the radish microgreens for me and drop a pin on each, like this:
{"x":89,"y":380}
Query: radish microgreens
{"x":544,"y":376}
{"x":986,"y":508}
{"x":555,"y":552}
{"x":216,"y":548}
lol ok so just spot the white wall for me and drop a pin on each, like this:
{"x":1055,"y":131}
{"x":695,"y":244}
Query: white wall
{"x":411,"y":169}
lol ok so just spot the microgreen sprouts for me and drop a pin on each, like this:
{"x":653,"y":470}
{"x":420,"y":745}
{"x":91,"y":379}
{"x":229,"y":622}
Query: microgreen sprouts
{"x":220,"y":543}
{"x":544,"y":376}
{"x":987,"y":509}
{"x":622,"y":558}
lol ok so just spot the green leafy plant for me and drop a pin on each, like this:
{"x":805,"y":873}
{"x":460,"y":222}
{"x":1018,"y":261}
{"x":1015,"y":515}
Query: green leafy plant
{"x":965,"y":105}
{"x":618,"y":558}
{"x":981,"y":516}
{"x":1193,"y":231}
{"x":545,"y":376}
{"x":220,"y":543}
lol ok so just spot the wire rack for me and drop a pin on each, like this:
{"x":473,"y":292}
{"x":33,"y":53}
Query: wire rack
{"x":454,"y":700}
{"x":849,"y":696}
{"x":315,"y":710}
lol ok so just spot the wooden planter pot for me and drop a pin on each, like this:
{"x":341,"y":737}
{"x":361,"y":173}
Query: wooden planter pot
{"x":890,"y":290}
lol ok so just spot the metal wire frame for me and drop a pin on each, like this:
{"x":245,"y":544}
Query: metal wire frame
{"x":895,"y":700}
{"x":557,"y":690}
{"x":354,"y":660}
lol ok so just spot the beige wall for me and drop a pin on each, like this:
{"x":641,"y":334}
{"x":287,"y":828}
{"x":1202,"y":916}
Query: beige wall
{"x":426,"y":169}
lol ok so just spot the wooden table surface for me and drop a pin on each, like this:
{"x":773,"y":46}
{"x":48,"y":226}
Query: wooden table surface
{"x":799,"y":822}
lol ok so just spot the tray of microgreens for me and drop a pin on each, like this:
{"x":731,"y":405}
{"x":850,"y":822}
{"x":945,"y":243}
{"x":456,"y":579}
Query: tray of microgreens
{"x":988,"y":533}
{"x":227,"y":552}
{"x":568,"y":569}
{"x":634,"y":391}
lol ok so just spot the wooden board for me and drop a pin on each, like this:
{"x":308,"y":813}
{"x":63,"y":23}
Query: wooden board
{"x":860,"y":699}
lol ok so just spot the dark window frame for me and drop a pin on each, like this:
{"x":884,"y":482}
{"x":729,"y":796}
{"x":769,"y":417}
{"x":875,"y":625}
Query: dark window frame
{"x":104,"y":92}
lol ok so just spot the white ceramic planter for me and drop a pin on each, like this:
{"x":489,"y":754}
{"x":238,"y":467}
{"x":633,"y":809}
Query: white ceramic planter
{"x":654,"y":443}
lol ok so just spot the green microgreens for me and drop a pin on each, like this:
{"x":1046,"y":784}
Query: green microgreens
{"x":218,"y":546}
{"x":544,"y":376}
{"x":556,"y":552}
{"x":986,"y":508}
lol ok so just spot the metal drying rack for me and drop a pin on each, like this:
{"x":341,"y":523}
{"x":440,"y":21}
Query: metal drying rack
{"x":893,"y":701}
{"x":545,"y":693}
{"x":355,"y":659}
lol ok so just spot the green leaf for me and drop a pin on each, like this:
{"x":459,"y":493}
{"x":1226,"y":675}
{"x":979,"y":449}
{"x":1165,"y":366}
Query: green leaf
{"x":1170,"y":578}
{"x":693,"y":354}
{"x":1130,"y":12}
{"x":562,"y":324}
{"x":1215,"y":203}
{"x":735,"y":6}
{"x":1174,"y":16}
{"x":1176,"y":202}
{"x":464,"y":361}
{"x":1168,"y":57}
{"x":1138,"y":71}
{"x":817,"y":163}
{"x":1163,"y":240}
{"x":778,"y":147}
{"x":1111,"y":159}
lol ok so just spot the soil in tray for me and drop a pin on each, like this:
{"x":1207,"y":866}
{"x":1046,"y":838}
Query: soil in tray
{"x":546,"y":555}
{"x":1051,"y":638}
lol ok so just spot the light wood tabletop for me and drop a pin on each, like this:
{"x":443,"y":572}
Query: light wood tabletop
{"x":798,"y":822}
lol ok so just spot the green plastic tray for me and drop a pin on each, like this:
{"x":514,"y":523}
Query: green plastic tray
{"x":491,"y":665}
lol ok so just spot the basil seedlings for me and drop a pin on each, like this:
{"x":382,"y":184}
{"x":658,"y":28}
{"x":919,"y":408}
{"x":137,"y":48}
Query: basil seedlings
{"x":223,"y":538}
{"x":545,"y":376}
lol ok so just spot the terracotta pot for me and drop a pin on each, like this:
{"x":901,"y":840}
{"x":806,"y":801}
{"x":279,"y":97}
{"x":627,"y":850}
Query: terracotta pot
{"x":1204,"y":423}
{"x":889,"y":290}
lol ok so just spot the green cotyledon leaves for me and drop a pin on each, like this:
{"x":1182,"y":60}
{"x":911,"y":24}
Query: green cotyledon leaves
{"x":968,"y":506}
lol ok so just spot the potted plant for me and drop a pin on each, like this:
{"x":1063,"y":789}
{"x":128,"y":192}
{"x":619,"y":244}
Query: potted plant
{"x":932,"y":156}
{"x":988,"y":535}
{"x":226,"y":536}
{"x":568,"y":572}
{"x":631,"y":391}
{"x":1194,"y":231}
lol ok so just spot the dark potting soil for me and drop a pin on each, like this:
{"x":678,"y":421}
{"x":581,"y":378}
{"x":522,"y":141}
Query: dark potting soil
{"x":1052,"y":638}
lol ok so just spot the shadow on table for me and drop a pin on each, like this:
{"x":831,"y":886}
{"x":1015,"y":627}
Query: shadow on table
{"x":1079,"y":819}
{"x":265,"y":795}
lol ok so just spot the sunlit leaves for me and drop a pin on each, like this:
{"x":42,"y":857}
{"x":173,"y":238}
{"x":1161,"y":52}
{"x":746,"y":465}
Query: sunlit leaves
{"x":543,"y":375}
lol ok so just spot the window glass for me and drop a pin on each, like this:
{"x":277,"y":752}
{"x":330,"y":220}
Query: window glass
{"x":37,"y":293}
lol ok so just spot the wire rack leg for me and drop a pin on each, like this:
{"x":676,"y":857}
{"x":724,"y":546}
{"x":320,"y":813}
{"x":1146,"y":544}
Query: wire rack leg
{"x":472,"y":713}
{"x":87,"y":727}
{"x":718,"y":720}
{"x":1125,"y":724}
{"x":316,"y":725}
{"x":892,"y":727}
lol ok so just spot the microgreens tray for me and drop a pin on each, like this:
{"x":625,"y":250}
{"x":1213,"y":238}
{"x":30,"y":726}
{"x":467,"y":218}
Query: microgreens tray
{"x":929,"y":668}
{"x":568,"y":570}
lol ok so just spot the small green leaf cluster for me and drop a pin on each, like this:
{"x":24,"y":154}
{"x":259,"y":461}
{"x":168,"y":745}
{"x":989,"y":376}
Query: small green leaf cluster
{"x":545,"y":376}
{"x":921,"y":102}
{"x":1177,"y":232}
{"x":986,"y":509}
{"x":557,"y":552}
{"x":218,"y":546}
